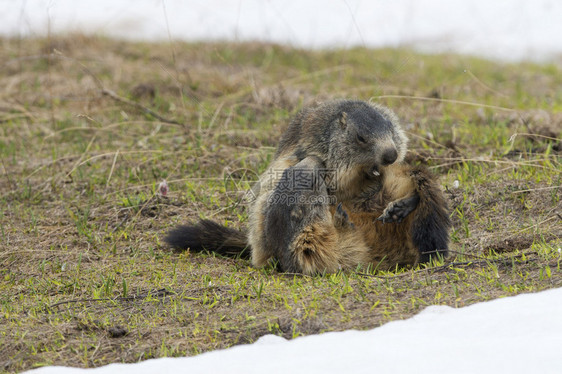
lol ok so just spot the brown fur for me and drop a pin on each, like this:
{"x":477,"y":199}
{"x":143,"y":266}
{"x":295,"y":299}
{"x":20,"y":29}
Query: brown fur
{"x":392,"y":244}
{"x":364,"y":145}
{"x":359,"y":238}
{"x":329,"y":246}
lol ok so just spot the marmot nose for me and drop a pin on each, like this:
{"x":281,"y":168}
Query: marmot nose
{"x":389,"y":156}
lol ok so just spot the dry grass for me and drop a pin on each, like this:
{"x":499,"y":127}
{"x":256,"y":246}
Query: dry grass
{"x":89,"y":127}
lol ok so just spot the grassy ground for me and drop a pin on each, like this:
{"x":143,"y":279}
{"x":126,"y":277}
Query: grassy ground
{"x":89,"y":127}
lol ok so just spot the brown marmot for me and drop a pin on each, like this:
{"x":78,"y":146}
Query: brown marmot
{"x":337,"y":157}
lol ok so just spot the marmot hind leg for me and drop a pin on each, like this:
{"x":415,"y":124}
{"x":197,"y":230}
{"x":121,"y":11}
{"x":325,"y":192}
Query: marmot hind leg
{"x":407,"y":221}
{"x":431,"y":222}
{"x":330,"y":243}
{"x":423,"y":212}
{"x":299,"y":229}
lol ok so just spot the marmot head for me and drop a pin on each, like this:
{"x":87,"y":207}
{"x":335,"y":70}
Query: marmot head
{"x":368,"y":136}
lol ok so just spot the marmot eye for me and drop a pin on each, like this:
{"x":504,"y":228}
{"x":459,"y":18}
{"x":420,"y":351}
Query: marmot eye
{"x":361,"y":139}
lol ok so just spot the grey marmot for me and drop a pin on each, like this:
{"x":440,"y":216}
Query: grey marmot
{"x":336,"y":195}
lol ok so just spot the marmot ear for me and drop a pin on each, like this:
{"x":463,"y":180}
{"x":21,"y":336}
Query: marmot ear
{"x":343,"y":120}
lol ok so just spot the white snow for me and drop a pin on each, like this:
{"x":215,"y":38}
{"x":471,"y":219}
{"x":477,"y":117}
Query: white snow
{"x":509,"y":30}
{"x":521,"y":334}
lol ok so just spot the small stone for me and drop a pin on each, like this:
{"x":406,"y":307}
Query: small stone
{"x":117,"y":332}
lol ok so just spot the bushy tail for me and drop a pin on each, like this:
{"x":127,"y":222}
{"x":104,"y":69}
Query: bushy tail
{"x":209,"y":236}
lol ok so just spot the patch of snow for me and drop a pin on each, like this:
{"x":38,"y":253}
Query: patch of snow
{"x":509,"y":30}
{"x":521,"y":334}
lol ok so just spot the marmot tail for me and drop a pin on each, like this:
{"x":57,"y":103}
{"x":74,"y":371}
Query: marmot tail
{"x":210,"y":236}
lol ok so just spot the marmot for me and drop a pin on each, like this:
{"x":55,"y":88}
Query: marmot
{"x":352,"y":138}
{"x":337,"y":157}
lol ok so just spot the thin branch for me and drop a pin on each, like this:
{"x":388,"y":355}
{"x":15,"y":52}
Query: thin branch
{"x":158,"y":293}
{"x":449,"y":266}
{"x":450,"y":101}
{"x":114,"y":96}
{"x":123,"y":100}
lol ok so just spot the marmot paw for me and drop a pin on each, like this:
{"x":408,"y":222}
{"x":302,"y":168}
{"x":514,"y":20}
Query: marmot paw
{"x":341,"y":218}
{"x":397,"y":210}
